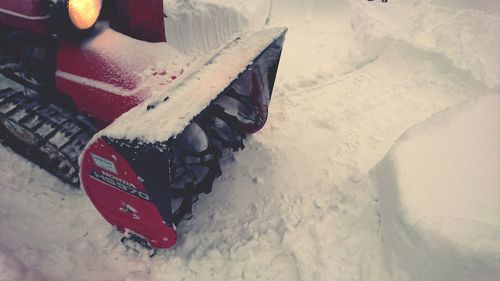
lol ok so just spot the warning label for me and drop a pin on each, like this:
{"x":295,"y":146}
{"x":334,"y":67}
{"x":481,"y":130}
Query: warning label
{"x":104,"y":163}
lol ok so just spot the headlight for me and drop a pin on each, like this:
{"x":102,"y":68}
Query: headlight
{"x":69,"y":16}
{"x":84,"y":13}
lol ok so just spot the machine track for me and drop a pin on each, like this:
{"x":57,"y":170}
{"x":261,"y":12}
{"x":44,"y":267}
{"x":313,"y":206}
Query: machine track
{"x":44,"y":133}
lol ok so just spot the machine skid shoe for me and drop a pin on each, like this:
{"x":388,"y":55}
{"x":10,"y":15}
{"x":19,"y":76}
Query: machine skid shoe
{"x":138,"y":244}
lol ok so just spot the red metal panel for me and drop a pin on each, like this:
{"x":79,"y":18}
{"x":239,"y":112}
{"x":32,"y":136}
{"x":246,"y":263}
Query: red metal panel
{"x":110,"y":73}
{"x":115,"y":190}
{"x":98,"y":87}
{"x":30,"y":15}
{"x":141,"y":19}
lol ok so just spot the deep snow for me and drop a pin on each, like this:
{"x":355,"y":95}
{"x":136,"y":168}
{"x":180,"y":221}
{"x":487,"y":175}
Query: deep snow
{"x":439,"y":189}
{"x":297,"y":203}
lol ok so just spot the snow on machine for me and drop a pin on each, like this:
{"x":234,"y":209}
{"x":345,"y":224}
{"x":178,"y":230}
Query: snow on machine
{"x":110,"y":106}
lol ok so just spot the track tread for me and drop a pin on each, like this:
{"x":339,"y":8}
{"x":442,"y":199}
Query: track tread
{"x":57,"y":137}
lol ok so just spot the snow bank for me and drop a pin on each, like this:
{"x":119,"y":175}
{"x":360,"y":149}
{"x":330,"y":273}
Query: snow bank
{"x":440,"y":196}
{"x":196,"y":27}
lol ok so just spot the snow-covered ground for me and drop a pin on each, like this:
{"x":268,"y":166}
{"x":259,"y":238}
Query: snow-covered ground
{"x":298,"y":203}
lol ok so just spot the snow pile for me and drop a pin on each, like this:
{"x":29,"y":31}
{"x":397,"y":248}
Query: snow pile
{"x":440,"y":196}
{"x":196,"y":27}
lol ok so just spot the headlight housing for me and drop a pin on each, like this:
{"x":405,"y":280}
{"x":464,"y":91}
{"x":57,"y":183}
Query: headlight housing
{"x":74,"y":16}
{"x":84,"y":13}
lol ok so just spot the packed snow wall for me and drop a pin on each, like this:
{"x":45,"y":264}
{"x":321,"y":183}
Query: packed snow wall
{"x":439,"y":190}
{"x":197,"y":26}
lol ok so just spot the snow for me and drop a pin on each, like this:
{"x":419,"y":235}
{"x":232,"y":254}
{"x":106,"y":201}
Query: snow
{"x":487,"y":6}
{"x":298,"y":203}
{"x":10,"y":267}
{"x":467,"y":35}
{"x":439,"y":195}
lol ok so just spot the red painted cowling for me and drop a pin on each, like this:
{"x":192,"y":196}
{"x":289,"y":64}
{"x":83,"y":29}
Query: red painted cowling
{"x":29,"y":15}
{"x":143,"y":20}
{"x":119,"y":195}
{"x":110,"y":73}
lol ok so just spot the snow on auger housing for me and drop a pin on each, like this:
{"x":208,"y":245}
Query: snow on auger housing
{"x":165,"y":118}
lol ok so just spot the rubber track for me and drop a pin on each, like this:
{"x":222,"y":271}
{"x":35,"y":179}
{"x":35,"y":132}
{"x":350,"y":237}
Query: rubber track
{"x":56,"y":137}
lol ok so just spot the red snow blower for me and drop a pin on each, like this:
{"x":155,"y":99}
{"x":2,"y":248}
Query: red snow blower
{"x":105,"y":103}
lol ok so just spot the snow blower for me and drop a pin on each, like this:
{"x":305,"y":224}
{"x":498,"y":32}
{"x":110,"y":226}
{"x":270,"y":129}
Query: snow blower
{"x":106,"y":104}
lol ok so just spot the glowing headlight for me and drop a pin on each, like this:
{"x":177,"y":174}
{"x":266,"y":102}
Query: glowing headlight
{"x":84,"y":13}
